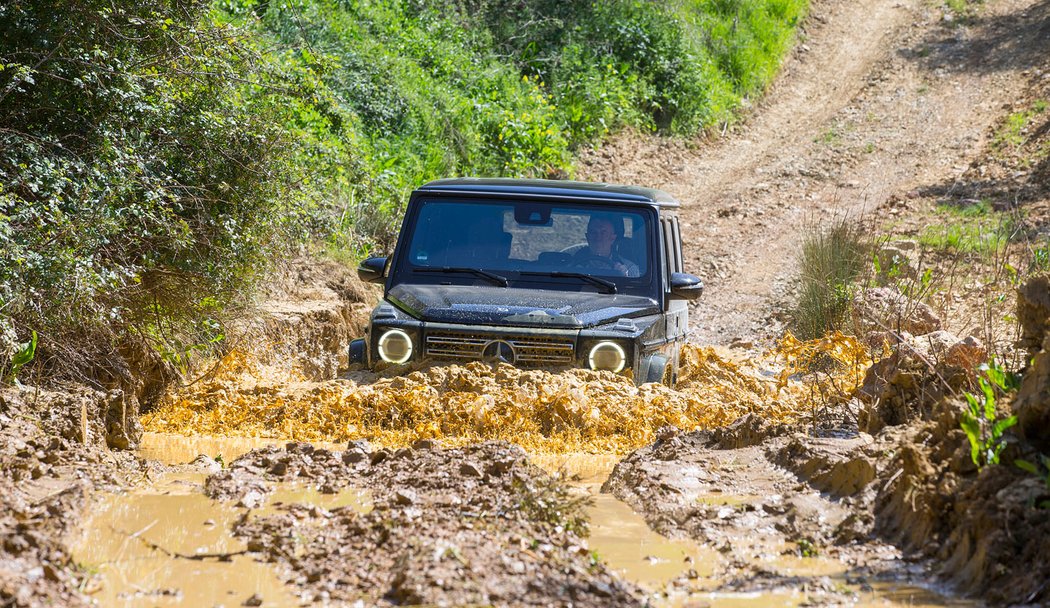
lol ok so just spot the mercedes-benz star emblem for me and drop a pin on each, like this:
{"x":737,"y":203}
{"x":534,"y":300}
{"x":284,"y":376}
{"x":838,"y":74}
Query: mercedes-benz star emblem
{"x":498,"y":350}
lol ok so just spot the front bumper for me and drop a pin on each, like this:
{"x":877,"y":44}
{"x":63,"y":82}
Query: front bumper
{"x":528,"y":348}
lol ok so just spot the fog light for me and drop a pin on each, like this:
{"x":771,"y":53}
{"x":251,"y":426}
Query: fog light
{"x":395,"y":346}
{"x":607,"y":356}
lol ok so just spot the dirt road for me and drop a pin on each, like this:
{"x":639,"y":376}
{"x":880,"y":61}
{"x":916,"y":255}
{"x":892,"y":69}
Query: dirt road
{"x":881,"y":97}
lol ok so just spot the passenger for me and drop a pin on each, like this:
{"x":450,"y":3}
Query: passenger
{"x":600,"y":251}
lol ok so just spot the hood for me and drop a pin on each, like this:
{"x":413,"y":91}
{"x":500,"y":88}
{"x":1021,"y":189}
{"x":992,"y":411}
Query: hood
{"x":517,"y":307}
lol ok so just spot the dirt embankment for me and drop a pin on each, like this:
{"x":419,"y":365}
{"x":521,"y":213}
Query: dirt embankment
{"x":60,"y":445}
{"x":52,"y":456}
{"x":986,"y":527}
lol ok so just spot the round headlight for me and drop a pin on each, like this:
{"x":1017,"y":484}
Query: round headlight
{"x":607,"y":356}
{"x":395,"y":346}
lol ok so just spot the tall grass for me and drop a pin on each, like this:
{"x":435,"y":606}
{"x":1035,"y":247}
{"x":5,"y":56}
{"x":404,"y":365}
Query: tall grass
{"x":831,"y":260}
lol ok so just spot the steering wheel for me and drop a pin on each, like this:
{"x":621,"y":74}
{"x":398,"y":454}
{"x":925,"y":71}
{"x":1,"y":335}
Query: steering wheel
{"x":573,"y":248}
{"x":594,"y":261}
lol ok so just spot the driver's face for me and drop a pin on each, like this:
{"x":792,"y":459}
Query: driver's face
{"x":600,"y":236}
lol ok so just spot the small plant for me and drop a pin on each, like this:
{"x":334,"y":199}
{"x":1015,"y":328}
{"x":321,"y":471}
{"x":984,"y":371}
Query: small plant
{"x":830,"y":262}
{"x":1040,"y":260}
{"x":980,"y":421}
{"x":806,"y":548}
{"x":25,"y":353}
{"x":1042,"y":471}
{"x":594,"y":560}
{"x":550,"y":500}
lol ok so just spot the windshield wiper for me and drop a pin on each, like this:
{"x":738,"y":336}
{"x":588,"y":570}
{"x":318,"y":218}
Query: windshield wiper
{"x":609,"y":285}
{"x":495,"y":278}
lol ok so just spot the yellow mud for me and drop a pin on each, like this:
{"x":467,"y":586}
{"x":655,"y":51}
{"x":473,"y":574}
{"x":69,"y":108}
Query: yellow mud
{"x":574,"y":410}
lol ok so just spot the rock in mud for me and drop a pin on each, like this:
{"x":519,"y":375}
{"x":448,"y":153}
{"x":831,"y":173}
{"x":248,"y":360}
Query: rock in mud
{"x":886,"y":310}
{"x":748,"y":430}
{"x":919,"y":373}
{"x":123,"y":430}
{"x":1033,"y":313}
{"x":1032,"y":404}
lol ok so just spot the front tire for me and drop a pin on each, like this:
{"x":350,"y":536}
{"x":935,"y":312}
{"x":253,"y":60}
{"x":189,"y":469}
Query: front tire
{"x":358,"y":352}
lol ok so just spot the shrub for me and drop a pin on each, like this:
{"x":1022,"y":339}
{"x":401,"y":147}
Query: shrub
{"x":144,"y":177}
{"x":830,"y":261}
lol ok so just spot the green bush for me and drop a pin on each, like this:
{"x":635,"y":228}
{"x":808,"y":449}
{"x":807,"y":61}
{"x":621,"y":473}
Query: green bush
{"x":143,"y":178}
{"x":510,"y":88}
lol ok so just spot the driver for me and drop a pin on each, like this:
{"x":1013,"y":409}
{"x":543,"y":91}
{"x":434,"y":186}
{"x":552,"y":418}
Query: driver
{"x":600,"y":251}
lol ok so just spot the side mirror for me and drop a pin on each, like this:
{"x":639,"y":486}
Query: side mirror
{"x":372,"y":270}
{"x":685,"y":286}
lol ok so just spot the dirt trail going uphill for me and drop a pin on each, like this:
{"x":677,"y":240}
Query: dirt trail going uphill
{"x":880,"y":97}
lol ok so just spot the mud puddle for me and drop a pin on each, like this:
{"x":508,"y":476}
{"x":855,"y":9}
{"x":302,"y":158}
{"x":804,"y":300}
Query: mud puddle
{"x":167,"y":544}
{"x":684,"y":573}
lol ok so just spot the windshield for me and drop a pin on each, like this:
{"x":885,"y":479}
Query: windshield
{"x":558,"y":245}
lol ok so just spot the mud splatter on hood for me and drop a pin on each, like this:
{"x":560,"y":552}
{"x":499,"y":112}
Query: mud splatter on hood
{"x":520,"y":307}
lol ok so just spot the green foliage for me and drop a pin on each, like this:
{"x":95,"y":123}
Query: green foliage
{"x":156,"y":156}
{"x":964,"y":9}
{"x":421,"y":90}
{"x":981,"y":423}
{"x":978,"y":231}
{"x":807,"y":548}
{"x":831,"y":260}
{"x":1041,"y":470}
{"x":1040,"y":259}
{"x":969,"y":208}
{"x":23,"y":355}
{"x":142,"y":167}
{"x":1015,"y":131}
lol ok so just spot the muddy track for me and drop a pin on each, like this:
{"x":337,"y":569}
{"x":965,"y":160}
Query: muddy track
{"x":881,"y":97}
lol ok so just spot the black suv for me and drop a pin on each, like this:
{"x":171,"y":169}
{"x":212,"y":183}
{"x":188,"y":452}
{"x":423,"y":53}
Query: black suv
{"x":536,"y":273}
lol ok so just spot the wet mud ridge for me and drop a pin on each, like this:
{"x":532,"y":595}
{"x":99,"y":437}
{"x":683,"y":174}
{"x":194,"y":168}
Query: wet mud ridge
{"x":476,"y":525}
{"x":767,"y":498}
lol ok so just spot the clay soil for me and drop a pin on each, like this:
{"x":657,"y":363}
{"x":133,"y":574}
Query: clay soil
{"x":886,"y":110}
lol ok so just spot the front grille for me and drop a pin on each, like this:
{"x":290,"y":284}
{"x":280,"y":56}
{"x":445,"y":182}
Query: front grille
{"x":530,"y":350}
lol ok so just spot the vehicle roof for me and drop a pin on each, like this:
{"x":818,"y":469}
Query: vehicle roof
{"x":550,"y":188}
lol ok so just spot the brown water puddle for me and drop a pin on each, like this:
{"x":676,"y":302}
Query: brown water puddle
{"x":168,"y":544}
{"x":122,"y":542}
{"x":171,"y":448}
{"x":682,"y":573}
